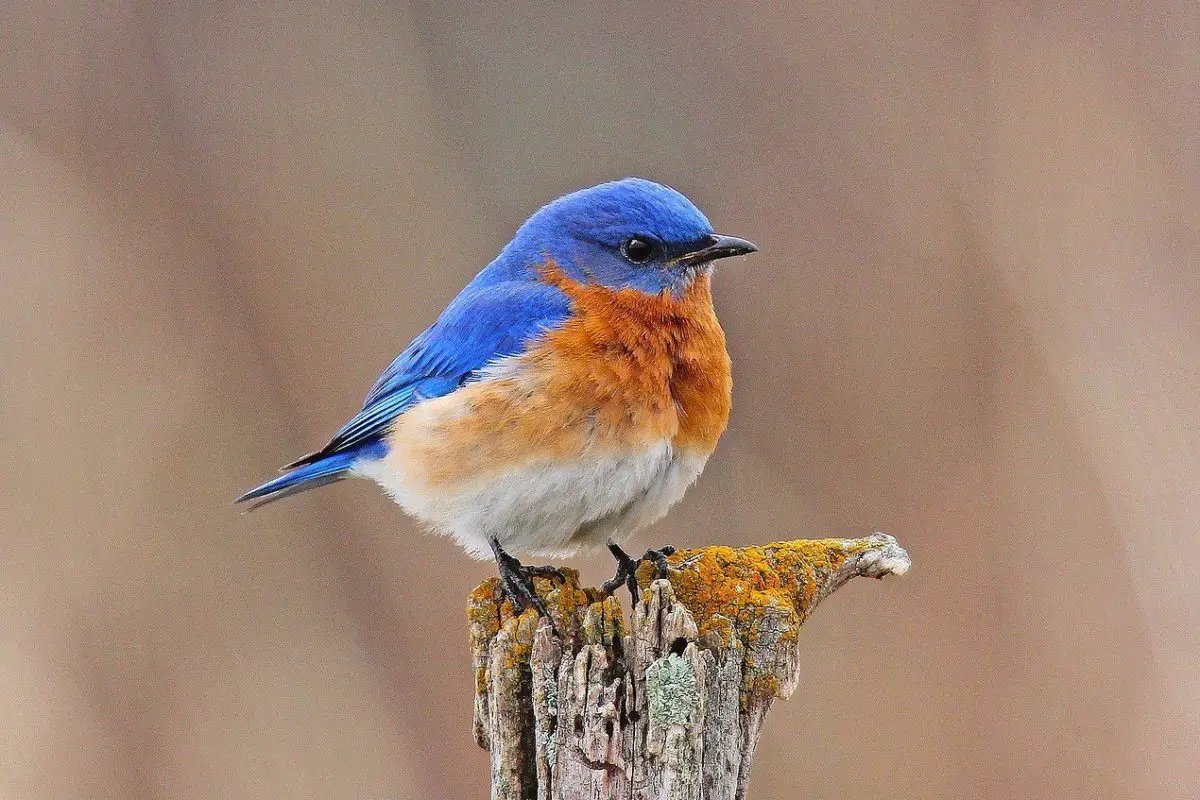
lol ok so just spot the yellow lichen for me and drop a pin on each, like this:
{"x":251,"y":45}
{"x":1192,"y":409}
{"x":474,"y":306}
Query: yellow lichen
{"x":489,"y":612}
{"x":520,"y":631}
{"x":736,"y":583}
{"x":483,"y":623}
{"x":750,"y":591}
{"x":604,"y":622}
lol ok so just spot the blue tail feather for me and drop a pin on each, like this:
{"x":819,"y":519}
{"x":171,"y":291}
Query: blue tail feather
{"x":319,"y":472}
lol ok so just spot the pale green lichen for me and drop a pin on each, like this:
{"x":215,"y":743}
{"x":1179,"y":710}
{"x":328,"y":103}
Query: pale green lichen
{"x":547,"y":741}
{"x":672,"y":693}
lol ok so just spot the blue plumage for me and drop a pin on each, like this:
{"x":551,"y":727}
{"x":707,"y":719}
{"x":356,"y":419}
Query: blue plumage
{"x":320,"y":472}
{"x":484,"y":322}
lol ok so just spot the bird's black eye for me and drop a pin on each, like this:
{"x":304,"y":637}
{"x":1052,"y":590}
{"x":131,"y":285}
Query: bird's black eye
{"x":638,"y":249}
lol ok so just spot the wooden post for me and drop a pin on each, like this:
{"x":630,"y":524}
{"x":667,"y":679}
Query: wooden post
{"x":670,"y":705}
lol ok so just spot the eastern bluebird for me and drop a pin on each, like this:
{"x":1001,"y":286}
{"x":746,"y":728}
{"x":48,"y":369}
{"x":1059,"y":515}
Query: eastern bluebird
{"x":566,"y":397}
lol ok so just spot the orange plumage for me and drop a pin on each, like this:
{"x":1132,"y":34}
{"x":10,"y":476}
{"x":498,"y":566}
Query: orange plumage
{"x":652,"y":365}
{"x":626,"y":371}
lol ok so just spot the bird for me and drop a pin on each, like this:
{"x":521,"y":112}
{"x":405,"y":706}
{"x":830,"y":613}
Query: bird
{"x":567,"y":397}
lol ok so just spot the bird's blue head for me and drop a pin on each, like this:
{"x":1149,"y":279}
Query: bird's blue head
{"x":631,"y":233}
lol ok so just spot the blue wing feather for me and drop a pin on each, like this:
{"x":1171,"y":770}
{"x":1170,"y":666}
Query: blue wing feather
{"x":485,"y":322}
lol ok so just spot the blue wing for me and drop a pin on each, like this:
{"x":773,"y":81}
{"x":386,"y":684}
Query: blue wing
{"x":485,"y":322}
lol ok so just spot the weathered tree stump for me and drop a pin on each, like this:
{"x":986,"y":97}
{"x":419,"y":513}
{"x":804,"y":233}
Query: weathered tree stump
{"x":670,"y":706}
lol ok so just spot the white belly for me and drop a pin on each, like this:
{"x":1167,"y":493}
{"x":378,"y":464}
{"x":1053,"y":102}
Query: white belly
{"x":549,"y":509}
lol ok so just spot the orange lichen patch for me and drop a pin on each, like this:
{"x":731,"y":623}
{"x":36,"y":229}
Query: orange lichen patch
{"x":604,"y":622}
{"x":483,"y":612}
{"x":489,"y":612}
{"x":564,"y":600}
{"x":760,"y":595}
{"x":759,"y":684}
{"x":648,"y":366}
{"x":735,"y":582}
{"x":520,"y":631}
{"x":483,"y":623}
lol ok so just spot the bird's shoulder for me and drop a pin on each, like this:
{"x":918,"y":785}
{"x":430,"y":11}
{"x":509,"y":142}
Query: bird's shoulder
{"x":488,"y":319}
{"x":491,"y":318}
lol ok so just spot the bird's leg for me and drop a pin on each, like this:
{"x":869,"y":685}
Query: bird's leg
{"x":626,"y":572}
{"x":517,"y":580}
{"x":627,"y":567}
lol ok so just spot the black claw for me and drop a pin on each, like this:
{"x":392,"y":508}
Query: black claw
{"x":626,"y":572}
{"x":627,"y":567}
{"x":517,"y":581}
{"x":659,"y":559}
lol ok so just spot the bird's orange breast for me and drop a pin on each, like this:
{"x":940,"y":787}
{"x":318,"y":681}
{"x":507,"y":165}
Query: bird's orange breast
{"x":625,"y":373}
{"x":649,"y":367}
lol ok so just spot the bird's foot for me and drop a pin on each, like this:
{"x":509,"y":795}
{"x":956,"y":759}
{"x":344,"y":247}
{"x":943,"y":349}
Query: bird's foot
{"x":517,"y":581}
{"x":627,"y":567}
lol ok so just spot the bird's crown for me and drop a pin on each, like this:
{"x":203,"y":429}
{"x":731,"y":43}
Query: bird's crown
{"x":630,"y":233}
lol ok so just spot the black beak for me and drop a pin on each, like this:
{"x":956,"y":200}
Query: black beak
{"x":713,"y":247}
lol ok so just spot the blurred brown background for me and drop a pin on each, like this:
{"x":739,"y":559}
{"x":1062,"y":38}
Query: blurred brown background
{"x":973,"y":324}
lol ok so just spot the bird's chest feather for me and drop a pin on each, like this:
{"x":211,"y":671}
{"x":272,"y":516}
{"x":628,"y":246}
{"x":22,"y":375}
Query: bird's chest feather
{"x":646,"y":368}
{"x":627,"y":375}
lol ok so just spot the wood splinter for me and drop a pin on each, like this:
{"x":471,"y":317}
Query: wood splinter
{"x":670,"y":705}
